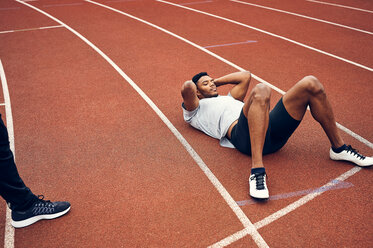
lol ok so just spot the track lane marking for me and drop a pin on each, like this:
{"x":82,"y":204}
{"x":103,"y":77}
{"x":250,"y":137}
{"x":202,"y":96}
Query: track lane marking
{"x":284,"y":211}
{"x":29,"y":29}
{"x":339,"y":5}
{"x":10,"y":8}
{"x":271,"y":34}
{"x":231,"y":44}
{"x":304,"y":16}
{"x":219,"y":187}
{"x":198,"y":2}
{"x":120,"y":1}
{"x":9,"y":229}
{"x":62,"y":5}
{"x":335,"y":185}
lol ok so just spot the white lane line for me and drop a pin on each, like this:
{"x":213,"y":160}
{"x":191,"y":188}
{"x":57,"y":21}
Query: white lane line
{"x":304,"y":16}
{"x":200,"y":2}
{"x":336,"y":185}
{"x":231,"y":44}
{"x":339,"y":5}
{"x":220,"y":188}
{"x":120,"y":1}
{"x":9,"y":229}
{"x":29,"y":29}
{"x":356,"y":136}
{"x":271,"y":34}
{"x":284,"y":211}
{"x":9,"y":8}
{"x":61,"y":5}
{"x":230,"y":239}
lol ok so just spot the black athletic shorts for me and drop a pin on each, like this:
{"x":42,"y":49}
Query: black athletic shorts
{"x":281,"y":127}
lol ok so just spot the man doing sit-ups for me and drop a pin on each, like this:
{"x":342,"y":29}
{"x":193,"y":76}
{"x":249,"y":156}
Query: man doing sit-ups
{"x":251,"y":127}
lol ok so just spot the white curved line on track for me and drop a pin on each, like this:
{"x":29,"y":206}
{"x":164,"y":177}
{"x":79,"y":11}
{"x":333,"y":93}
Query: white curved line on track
{"x":303,"y":16}
{"x":341,"y":6}
{"x":9,"y":229}
{"x":271,"y":34}
{"x":220,"y":188}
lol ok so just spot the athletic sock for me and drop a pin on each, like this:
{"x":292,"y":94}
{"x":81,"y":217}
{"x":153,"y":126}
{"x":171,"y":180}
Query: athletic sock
{"x":258,"y":170}
{"x":338,"y":150}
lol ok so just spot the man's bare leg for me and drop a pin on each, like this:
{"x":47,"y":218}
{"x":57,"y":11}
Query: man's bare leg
{"x":256,"y":110}
{"x":310,"y":92}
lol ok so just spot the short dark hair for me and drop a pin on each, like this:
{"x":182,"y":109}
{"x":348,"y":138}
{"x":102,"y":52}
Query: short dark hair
{"x":198,"y":76}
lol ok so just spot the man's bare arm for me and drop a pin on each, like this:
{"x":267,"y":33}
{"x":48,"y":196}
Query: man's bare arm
{"x":241,"y":81}
{"x":189,"y":94}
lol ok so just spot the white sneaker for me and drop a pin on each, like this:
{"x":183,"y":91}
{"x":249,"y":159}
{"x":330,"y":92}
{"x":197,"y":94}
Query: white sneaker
{"x":351,"y":155}
{"x":258,"y":186}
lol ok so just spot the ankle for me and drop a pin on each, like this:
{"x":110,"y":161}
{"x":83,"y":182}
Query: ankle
{"x":338,"y":149}
{"x":258,"y":170}
{"x":257,"y":164}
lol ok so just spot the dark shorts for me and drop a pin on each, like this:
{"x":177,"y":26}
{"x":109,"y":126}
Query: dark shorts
{"x":281,"y":127}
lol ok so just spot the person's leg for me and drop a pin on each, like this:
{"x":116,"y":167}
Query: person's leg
{"x":12,"y":188}
{"x":310,"y":92}
{"x":256,"y":110}
{"x":26,"y":207}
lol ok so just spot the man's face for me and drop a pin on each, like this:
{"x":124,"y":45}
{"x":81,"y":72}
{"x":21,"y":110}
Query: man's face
{"x":206,"y":87}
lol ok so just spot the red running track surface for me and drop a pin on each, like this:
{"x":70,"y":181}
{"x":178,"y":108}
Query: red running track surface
{"x":83,"y":134}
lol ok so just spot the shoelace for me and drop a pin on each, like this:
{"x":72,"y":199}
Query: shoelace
{"x":355,"y":152}
{"x":43,"y":206}
{"x":259,"y":180}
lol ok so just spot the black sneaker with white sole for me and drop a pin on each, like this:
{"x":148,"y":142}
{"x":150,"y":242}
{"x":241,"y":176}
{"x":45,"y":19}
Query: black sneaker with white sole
{"x":347,"y":153}
{"x":40,"y":210}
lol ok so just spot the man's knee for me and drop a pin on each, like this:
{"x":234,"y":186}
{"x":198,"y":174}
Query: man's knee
{"x":312,"y":85}
{"x":261,"y":94}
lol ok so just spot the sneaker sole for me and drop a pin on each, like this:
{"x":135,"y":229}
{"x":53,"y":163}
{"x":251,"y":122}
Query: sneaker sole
{"x":260,"y":198}
{"x":32,"y":220}
{"x":348,"y":161}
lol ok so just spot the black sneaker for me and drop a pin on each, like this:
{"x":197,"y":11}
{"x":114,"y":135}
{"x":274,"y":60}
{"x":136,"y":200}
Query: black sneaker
{"x":41,"y":209}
